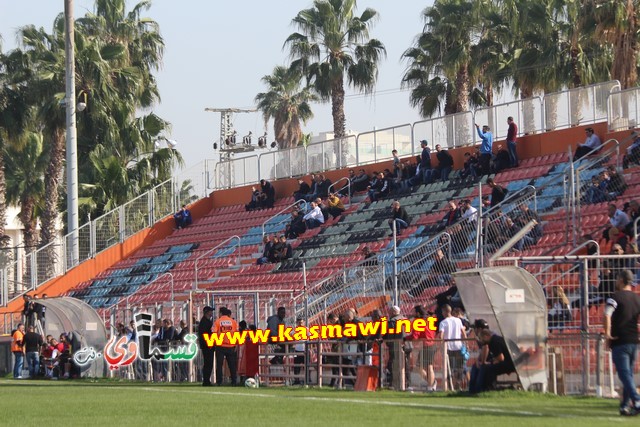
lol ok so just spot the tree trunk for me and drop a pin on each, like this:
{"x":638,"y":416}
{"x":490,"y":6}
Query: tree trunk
{"x":626,"y":50}
{"x":49,"y":217}
{"x":528,"y":114}
{"x":462,"y":89}
{"x":341,"y":146}
{"x":4,"y":239}
{"x":449,"y":101}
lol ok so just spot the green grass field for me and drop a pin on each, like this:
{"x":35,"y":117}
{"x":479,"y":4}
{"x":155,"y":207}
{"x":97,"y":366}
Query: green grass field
{"x":41,"y":403}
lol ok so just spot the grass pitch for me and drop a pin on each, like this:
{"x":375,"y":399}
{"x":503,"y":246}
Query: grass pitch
{"x":86,"y":402}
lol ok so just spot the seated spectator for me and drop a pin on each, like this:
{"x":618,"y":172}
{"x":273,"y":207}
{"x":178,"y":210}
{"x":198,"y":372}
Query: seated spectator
{"x":616,"y":185}
{"x":282,"y":250}
{"x":416,"y":178}
{"x":303,"y":190}
{"x":445,"y":163}
{"x":633,"y":151}
{"x":452,"y":216}
{"x":360,"y":182}
{"x":559,"y":307}
{"x":617,"y":218}
{"x":501,"y":160}
{"x":499,"y":363}
{"x":591,"y":145}
{"x":380,"y":188}
{"x":268,"y":245}
{"x":335,"y":206}
{"x":498,"y":193}
{"x":297,"y":226}
{"x":314,"y":217}
{"x":371,"y":259}
{"x":524,"y":217}
{"x":596,"y":191}
{"x":632,"y":209}
{"x":269,"y":193}
{"x":321,"y":189}
{"x":183,"y":218}
{"x":440,"y":274}
{"x":470,"y":167}
{"x":257,"y":199}
{"x":323,"y":208}
{"x":399,"y":216}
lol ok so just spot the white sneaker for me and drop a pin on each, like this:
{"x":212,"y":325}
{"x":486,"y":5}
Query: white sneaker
{"x":433,"y":387}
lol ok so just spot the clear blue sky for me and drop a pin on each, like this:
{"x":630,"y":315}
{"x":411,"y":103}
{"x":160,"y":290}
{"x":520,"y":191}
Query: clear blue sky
{"x":216,"y":53}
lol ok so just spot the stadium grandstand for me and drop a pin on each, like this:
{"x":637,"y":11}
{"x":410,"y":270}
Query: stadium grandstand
{"x":556,"y":221}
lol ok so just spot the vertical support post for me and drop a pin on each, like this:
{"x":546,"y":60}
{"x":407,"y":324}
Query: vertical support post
{"x":395,"y":264}
{"x":71,"y":138}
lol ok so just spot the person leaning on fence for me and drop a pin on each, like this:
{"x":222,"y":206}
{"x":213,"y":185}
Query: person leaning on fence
{"x":226,"y":351}
{"x":558,"y":306}
{"x":621,"y":316}
{"x":399,"y":216}
{"x":204,"y":327}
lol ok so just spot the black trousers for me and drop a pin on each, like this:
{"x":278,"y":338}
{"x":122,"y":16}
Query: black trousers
{"x":207,"y":365}
{"x":230,"y":354}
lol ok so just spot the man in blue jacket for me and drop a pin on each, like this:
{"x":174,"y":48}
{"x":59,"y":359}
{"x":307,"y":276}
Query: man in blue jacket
{"x":486,"y":147}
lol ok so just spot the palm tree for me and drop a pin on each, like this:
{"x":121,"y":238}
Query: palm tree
{"x":333,"y":44}
{"x":439,"y":63}
{"x":287,"y":104}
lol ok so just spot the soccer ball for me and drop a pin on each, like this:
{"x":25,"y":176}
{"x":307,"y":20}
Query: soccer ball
{"x":251,"y":383}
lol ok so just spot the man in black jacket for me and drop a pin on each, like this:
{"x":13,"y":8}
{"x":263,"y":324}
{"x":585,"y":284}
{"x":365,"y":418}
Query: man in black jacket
{"x":268,"y":192}
{"x":445,"y":162}
{"x":497,"y":193}
{"x":204,"y":327}
{"x":425,"y":162}
{"x":399,"y":216}
{"x":303,"y":190}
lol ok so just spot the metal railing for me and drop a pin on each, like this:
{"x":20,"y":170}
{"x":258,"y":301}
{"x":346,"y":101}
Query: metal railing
{"x":344,"y":178}
{"x":212,"y":250}
{"x":375,"y":146}
{"x":450,"y":131}
{"x":623,"y":109}
{"x":528,"y":114}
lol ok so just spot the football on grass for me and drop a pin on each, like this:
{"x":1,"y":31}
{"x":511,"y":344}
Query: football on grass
{"x":251,"y":383}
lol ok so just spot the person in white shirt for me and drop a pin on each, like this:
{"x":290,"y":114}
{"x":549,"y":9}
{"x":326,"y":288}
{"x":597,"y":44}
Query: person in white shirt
{"x":452,"y":330}
{"x":314,"y":218}
{"x":617,"y":218}
{"x":468,"y":211}
{"x":590,"y":145}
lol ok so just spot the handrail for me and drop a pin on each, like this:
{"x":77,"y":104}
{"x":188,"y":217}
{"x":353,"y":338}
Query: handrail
{"x":304,"y":202}
{"x":348,"y":188}
{"x":571,"y":252}
{"x":210,"y":251}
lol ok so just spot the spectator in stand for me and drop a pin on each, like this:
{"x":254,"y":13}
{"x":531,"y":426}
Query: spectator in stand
{"x":452,"y":216}
{"x":470,"y":167}
{"x":616,"y":186}
{"x":425,"y":162}
{"x":282,"y":250}
{"x":204,"y":327}
{"x":183,"y":218}
{"x":486,"y":148}
{"x":595,"y":192}
{"x":268,"y":193}
{"x":525,"y":216}
{"x":445,"y":162}
{"x":226,"y":350}
{"x":498,"y":193}
{"x":617,"y":218}
{"x":451,"y":329}
{"x":323,"y":208}
{"x":501,"y":160}
{"x":322,"y":188}
{"x":256,"y":200}
{"x":399,"y":216}
{"x":370,"y":257}
{"x":440,"y":274}
{"x":610,"y":269}
{"x":17,"y":348}
{"x":335,"y":206}
{"x":621,"y":316}
{"x":591,"y":145}
{"x":397,"y":171}
{"x":486,"y":202}
{"x":380,"y":188}
{"x":512,"y":136}
{"x":314,"y":217}
{"x":360,"y":182}
{"x":297,"y":225}
{"x":268,"y":244}
{"x":559,"y":307}
{"x":633,"y":212}
{"x":416,"y":179}
{"x":303,"y":190}
{"x":633,"y":151}
{"x":468,"y":211}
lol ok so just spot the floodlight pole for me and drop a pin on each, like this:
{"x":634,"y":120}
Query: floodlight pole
{"x":71,"y":135}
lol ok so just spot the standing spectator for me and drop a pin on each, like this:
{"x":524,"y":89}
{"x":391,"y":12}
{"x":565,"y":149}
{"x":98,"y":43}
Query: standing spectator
{"x":39,"y":310}
{"x":333,"y":359}
{"x":468,"y":212}
{"x":399,"y":216}
{"x":268,"y":193}
{"x":303,"y":190}
{"x":223,"y":325}
{"x":360,"y":182}
{"x":27,"y":311}
{"x":486,"y":148}
{"x":591,"y":145}
{"x":335,"y":207}
{"x":204,"y":327}
{"x":445,"y":162}
{"x":32,"y":343}
{"x":512,"y":136}
{"x":498,"y":193}
{"x":314,"y":217}
{"x":183,"y":217}
{"x":273,"y":323}
{"x":397,"y":171}
{"x":394,"y":316}
{"x":17,"y":348}
{"x":621,"y":316}
{"x":425,"y":162}
{"x":451,"y":329}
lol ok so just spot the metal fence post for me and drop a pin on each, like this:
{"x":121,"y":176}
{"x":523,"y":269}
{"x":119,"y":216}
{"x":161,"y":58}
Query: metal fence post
{"x":122,"y":227}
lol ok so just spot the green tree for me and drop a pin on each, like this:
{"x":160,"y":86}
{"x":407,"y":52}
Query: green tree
{"x":333,"y":45}
{"x":287,"y":104}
